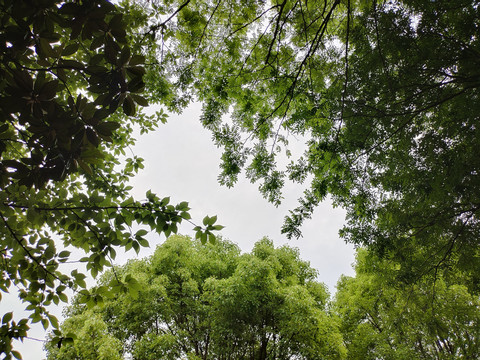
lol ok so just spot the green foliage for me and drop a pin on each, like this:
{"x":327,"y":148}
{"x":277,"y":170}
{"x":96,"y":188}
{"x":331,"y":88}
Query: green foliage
{"x":208,"y":301}
{"x":89,"y":340}
{"x":271,"y":308}
{"x":435,"y":318}
{"x":50,"y":128}
{"x":384,"y":94}
{"x":71,"y":77}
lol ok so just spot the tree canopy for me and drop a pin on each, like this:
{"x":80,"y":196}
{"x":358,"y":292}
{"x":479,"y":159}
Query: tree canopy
{"x":435,"y":318}
{"x":209,"y":302}
{"x":383,"y":93}
{"x":71,"y":78}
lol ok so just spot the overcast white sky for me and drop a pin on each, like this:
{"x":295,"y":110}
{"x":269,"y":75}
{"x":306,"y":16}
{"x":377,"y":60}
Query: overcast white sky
{"x":182,"y":162}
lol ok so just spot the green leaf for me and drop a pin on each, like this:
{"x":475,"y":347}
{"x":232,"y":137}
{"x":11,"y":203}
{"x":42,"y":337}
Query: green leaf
{"x":141,"y":232}
{"x":85,"y":167}
{"x":209,"y":220}
{"x":7,"y":317}
{"x":107,"y":128}
{"x":64,"y":254}
{"x":140,"y":100}
{"x":92,"y":137}
{"x":70,"y":49}
{"x":136,"y":246}
{"x":53,"y":320}
{"x":129,"y":106}
{"x":46,"y":49}
{"x":211,"y":238}
{"x":143,"y":242}
{"x":137,"y":60}
{"x":34,"y":217}
{"x":73,"y":64}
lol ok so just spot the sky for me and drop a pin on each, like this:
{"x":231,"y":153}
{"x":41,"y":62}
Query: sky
{"x":182,"y":162}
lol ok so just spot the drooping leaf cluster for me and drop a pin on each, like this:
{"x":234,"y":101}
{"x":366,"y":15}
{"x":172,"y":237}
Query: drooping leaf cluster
{"x":208,"y":301}
{"x":71,"y":74}
{"x":384,"y":95}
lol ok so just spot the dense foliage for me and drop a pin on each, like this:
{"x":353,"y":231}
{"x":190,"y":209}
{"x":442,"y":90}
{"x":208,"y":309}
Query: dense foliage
{"x":385,"y":95}
{"x":209,"y":302}
{"x":70,"y":78}
{"x":435,"y":318}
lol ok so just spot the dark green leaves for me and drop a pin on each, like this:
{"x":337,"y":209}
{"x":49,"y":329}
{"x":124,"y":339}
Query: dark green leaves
{"x":9,"y":330}
{"x":128,"y":106}
{"x":70,"y":49}
{"x":67,"y":70}
{"x":60,"y":67}
{"x":107,"y":128}
{"x":139,"y":99}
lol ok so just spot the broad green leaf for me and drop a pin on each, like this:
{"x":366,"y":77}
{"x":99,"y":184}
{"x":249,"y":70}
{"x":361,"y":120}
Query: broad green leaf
{"x":129,"y":106}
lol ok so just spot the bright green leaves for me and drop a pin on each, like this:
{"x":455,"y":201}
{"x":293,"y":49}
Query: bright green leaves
{"x":132,"y":285}
{"x":269,"y":292}
{"x":206,"y":233}
{"x":381,"y":318}
{"x":87,"y":335}
{"x":383,"y":99}
{"x":97,"y":296}
{"x":259,"y":67}
{"x":209,"y":300}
